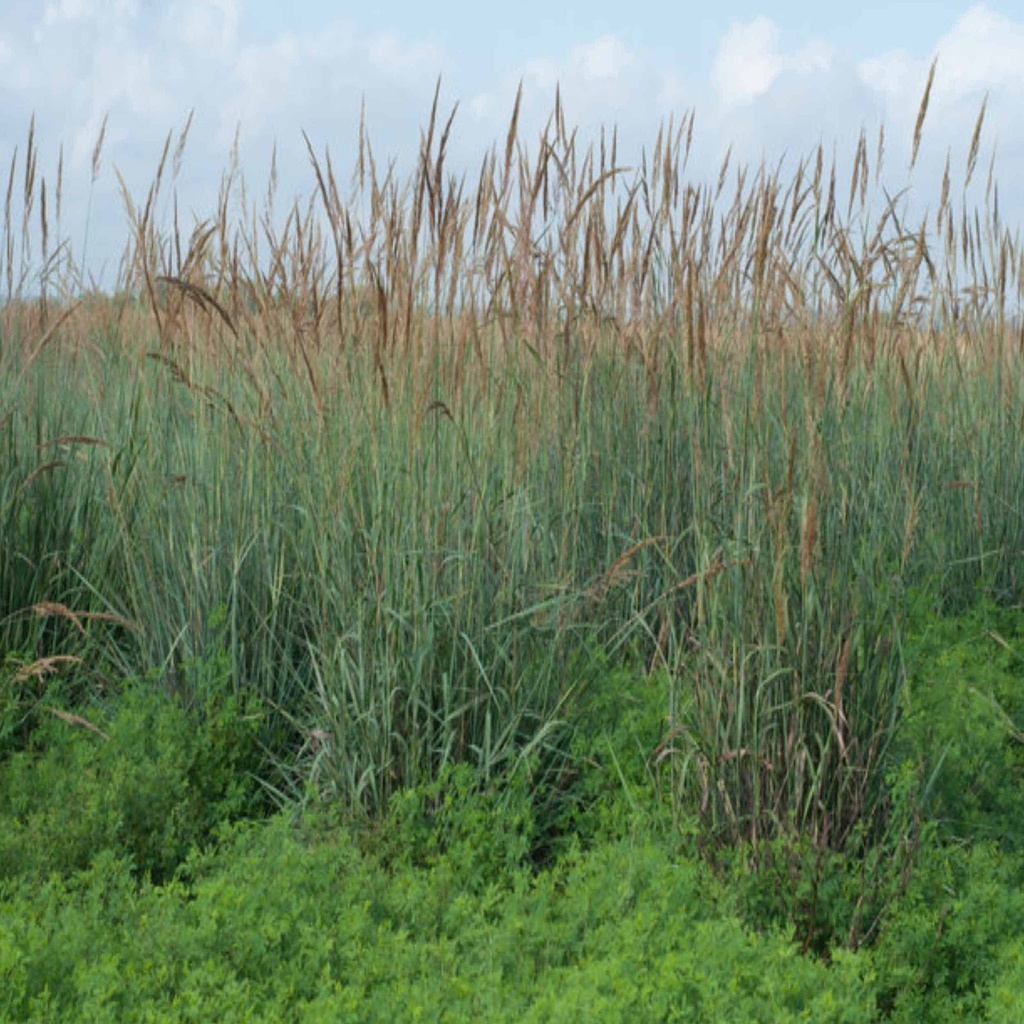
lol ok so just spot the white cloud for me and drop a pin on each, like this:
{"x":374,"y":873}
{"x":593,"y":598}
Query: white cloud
{"x":603,"y":82}
{"x":749,"y":61}
{"x":87,"y":10}
{"x":981,"y":55}
{"x":391,"y":54}
{"x":983,"y":50}
{"x":889,"y":73}
{"x":207,"y":26}
{"x":604,"y":58}
{"x":481,"y":105}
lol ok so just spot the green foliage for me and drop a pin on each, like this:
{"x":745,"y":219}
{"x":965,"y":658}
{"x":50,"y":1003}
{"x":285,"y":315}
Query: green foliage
{"x":128,"y":893}
{"x":964,"y":723}
{"x":831,"y":899}
{"x":483,"y":833}
{"x":1007,"y":991}
{"x":610,"y":785}
{"x":950,"y":947}
{"x":143,"y":777}
{"x":272,"y":927}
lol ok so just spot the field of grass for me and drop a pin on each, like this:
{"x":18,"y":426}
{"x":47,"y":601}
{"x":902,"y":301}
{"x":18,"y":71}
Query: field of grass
{"x":569,"y":593}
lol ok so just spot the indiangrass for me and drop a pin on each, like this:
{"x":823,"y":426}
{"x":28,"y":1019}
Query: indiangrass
{"x":417,"y":472}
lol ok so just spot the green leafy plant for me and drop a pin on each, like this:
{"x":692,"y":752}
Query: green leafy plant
{"x":964,"y":723}
{"x":146,"y":779}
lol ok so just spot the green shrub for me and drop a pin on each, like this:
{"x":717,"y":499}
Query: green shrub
{"x":483,"y":832}
{"x":149,"y":780}
{"x":950,"y":948}
{"x":268,"y":926}
{"x":964,"y":723}
{"x":1007,"y":994}
{"x":608,"y":786}
{"x":829,"y":899}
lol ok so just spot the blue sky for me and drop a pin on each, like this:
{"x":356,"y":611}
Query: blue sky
{"x":684,"y":33}
{"x":764,"y":79}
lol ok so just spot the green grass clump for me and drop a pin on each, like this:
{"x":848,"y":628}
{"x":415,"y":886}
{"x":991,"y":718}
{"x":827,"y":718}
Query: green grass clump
{"x":586,"y":583}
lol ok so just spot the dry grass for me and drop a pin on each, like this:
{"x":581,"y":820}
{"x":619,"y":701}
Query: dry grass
{"x":569,"y":251}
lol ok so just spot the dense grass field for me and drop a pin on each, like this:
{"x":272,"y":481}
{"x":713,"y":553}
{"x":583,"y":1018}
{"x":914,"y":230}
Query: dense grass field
{"x":562,"y":594}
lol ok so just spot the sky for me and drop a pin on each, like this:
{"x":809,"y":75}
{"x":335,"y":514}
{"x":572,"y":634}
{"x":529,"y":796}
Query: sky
{"x":767,"y":80}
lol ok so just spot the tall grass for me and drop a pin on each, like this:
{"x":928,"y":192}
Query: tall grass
{"x":423,"y":460}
